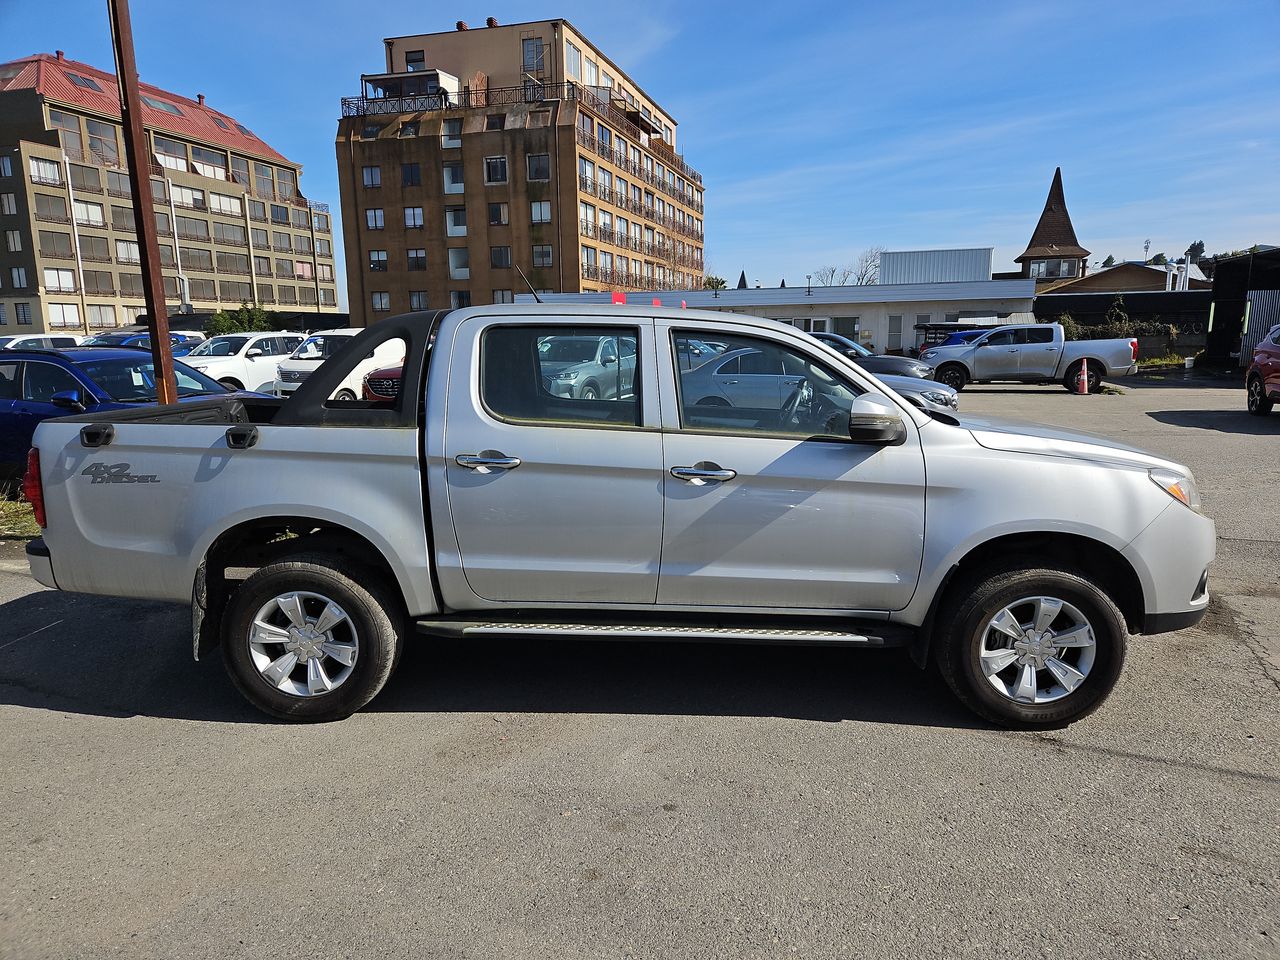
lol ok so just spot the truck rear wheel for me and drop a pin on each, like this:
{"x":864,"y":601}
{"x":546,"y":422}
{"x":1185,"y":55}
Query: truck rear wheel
{"x":304,"y":640}
{"x":1030,"y":647}
{"x":1095,"y":377}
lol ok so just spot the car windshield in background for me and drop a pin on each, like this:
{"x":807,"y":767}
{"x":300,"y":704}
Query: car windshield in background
{"x":568,"y":349}
{"x":108,"y":339}
{"x":5,"y":341}
{"x":131,"y":380}
{"x":319,"y":348}
{"x":220,"y":347}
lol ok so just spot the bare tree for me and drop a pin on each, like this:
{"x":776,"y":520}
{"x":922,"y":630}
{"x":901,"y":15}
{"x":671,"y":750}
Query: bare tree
{"x":832,"y":276}
{"x":867,"y":267}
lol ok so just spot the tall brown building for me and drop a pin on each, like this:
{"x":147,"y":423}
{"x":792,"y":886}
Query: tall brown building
{"x":480,"y":151}
{"x":233,"y":224}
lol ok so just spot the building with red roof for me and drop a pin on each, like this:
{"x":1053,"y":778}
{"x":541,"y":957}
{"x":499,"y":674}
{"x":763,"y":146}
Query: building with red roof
{"x":234,"y":225}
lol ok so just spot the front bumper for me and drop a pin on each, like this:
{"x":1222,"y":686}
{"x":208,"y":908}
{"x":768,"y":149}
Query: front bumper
{"x":41,"y":563}
{"x":1171,"y":557}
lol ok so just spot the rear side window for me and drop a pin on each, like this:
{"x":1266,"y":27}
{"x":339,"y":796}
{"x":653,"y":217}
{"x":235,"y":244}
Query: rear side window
{"x":542,"y":375}
{"x":8,"y":381}
{"x":1040,"y":335}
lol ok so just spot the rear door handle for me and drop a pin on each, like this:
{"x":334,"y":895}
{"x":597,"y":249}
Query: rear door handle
{"x":487,"y":460}
{"x":703,"y":472}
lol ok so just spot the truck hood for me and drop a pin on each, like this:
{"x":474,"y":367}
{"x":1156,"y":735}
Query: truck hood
{"x":1020,"y":436}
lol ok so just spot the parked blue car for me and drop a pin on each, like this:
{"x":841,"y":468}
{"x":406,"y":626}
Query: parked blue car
{"x":962,"y":336}
{"x":134,"y":338}
{"x":37,"y":384}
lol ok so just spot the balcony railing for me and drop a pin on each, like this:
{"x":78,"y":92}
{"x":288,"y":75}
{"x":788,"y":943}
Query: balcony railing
{"x":530,"y":93}
{"x":52,"y":217}
{"x":620,"y":159}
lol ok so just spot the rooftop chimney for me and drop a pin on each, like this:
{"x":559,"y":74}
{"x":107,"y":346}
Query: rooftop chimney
{"x":59,"y":54}
{"x":200,"y":99}
{"x":461,"y":25}
{"x":491,"y":22}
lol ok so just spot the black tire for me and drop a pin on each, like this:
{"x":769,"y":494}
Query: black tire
{"x":231,"y":384}
{"x":961,"y":634}
{"x":953,"y":375}
{"x":1258,"y":402}
{"x":589,"y":391}
{"x":371,"y":605}
{"x":1095,"y":377}
{"x":344,"y":395}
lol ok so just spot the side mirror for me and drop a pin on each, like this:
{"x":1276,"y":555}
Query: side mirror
{"x":608,"y":361}
{"x":72,"y":400}
{"x":254,"y":352}
{"x":873,"y":420}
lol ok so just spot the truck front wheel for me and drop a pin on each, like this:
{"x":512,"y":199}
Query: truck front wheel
{"x":1030,"y":647}
{"x":953,"y":375}
{"x":303,"y":640}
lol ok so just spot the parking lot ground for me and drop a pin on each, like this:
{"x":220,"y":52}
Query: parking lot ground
{"x":561,"y":799}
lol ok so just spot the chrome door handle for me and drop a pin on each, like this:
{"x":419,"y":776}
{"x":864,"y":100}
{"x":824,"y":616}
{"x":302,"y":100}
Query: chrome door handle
{"x":1014,"y":350}
{"x":486,"y":460}
{"x":731,"y":381}
{"x":701,"y":473}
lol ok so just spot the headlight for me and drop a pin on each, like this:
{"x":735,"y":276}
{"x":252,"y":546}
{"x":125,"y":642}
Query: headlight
{"x":941,"y":399}
{"x":567,"y":377}
{"x":928,"y":354}
{"x":1179,"y":486}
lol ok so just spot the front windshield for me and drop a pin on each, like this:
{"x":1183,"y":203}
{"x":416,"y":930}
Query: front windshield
{"x":132,"y":379}
{"x":107,"y":339}
{"x":568,"y":349}
{"x":320,"y":347}
{"x":220,"y":347}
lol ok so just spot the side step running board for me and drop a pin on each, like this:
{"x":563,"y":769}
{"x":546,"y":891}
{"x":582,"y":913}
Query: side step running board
{"x":649,"y":631}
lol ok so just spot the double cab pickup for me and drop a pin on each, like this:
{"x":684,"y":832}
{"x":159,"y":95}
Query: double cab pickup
{"x":578,"y":471}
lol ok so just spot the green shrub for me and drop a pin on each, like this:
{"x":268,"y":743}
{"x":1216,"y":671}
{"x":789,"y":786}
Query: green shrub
{"x":244,"y":319}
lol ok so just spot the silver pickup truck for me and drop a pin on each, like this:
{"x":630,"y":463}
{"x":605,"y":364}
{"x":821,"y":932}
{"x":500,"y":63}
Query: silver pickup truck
{"x":787,"y":497}
{"x":1031,"y":353}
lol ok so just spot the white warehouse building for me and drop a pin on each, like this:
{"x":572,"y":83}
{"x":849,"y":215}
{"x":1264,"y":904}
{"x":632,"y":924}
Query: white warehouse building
{"x":882,"y":317}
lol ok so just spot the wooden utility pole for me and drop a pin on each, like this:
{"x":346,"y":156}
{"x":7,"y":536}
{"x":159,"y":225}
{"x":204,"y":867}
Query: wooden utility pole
{"x":138,"y":156}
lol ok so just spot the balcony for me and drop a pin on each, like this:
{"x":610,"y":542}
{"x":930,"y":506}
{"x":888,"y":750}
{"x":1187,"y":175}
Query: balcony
{"x":52,"y":217}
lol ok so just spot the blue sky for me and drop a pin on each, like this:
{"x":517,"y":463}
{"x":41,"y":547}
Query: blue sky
{"x":820,"y":128}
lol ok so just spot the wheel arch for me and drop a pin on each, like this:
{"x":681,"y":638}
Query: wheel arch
{"x":1101,"y":562}
{"x":259,"y":541}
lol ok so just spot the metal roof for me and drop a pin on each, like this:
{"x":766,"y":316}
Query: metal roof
{"x":49,"y":76}
{"x":797,"y":296}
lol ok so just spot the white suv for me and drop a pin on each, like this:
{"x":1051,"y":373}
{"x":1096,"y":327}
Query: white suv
{"x":319,"y":347}
{"x":243,"y":361}
{"x":39,"y":341}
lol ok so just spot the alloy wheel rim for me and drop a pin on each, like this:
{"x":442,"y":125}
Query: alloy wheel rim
{"x":1255,"y":394}
{"x":1037,"y":650}
{"x":303,"y":644}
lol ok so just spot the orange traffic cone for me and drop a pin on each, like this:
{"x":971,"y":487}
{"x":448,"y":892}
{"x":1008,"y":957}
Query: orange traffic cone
{"x":1082,"y":378}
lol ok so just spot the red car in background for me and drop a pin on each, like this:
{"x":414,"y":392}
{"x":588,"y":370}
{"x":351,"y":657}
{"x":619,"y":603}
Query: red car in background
{"x":383,"y":384}
{"x":1262,"y":381}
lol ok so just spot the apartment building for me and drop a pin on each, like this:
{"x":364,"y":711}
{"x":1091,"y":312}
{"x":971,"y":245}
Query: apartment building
{"x":477,"y":152}
{"x":233,"y":224}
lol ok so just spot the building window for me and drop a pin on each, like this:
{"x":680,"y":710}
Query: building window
{"x":540,"y":211}
{"x":409,"y":128}
{"x":539,"y":166}
{"x":280,"y":214}
{"x":191,"y":228}
{"x":381,"y":302}
{"x":531,"y":51}
{"x":542,"y":255}
{"x":284,"y":268}
{"x":13,"y":241}
{"x":101,"y":317}
{"x":410,"y":174}
{"x":451,"y":134}
{"x":895,"y":333}
{"x":453,"y":180}
{"x":207,"y":163}
{"x":102,"y":141}
{"x":305,"y":269}
{"x":593,"y":74}
{"x":413,"y":218}
{"x":503,"y":296}
{"x":6,"y":167}
{"x":498,"y":215}
{"x":57,"y":280}
{"x":377,"y":261}
{"x":415,"y":60}
{"x":455,"y":221}
{"x":373,"y":219}
{"x":418,"y":259}
{"x":417,"y":300}
{"x":88,"y":214}
{"x":22,"y":313}
{"x":63,"y":315}
{"x":170,"y":153}
{"x":500,"y":258}
{"x":186,"y":197}
{"x":371,"y":131}
{"x":573,"y":61}
{"x":325,"y":271}
{"x":46,"y":172}
{"x":495,"y":121}
{"x":495,"y":170}
{"x":457,"y":299}
{"x":588,"y":256}
{"x":228,"y":206}
{"x":8,"y":204}
{"x":281,"y":243}
{"x":372,"y":176}
{"x":459,"y":263}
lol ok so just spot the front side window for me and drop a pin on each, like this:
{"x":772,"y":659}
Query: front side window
{"x":547,"y":375}
{"x":759,"y":387}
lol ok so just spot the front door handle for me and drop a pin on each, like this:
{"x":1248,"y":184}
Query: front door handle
{"x":1014,"y":350}
{"x":487,"y":460}
{"x":703,"y":472}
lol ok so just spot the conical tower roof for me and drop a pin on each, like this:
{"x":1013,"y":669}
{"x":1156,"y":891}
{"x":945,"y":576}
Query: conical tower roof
{"x":1054,"y":235}
{"x":742,"y":280}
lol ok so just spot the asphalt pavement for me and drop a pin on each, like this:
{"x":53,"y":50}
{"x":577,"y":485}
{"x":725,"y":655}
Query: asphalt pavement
{"x":511,"y":799}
